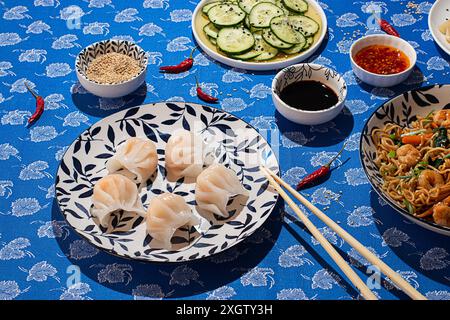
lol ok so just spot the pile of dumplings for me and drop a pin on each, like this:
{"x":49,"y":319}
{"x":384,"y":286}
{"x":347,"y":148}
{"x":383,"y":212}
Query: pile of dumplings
{"x":136,"y":160}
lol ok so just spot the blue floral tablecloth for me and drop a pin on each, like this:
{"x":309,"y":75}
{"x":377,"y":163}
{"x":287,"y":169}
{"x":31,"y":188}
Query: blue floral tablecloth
{"x":41,"y":257}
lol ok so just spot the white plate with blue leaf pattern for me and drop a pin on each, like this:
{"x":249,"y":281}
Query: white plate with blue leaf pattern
{"x":235,"y":144}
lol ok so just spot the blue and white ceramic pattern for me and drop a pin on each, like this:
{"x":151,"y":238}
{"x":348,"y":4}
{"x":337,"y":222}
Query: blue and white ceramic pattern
{"x":116,"y":90}
{"x":309,"y":72}
{"x":42,"y":257}
{"x":232,"y":143}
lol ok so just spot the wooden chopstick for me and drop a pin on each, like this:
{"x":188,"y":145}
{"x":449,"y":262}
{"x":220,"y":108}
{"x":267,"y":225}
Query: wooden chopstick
{"x":369,"y":256}
{"x":337,"y":258}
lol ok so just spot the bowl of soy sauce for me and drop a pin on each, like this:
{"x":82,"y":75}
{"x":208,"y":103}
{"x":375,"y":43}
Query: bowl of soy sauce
{"x":308,"y":93}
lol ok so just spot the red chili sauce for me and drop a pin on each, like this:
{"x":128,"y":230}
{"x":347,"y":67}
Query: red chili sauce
{"x":382,"y":59}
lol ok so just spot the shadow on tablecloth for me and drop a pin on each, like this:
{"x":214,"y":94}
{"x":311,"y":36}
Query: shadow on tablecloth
{"x":338,"y":276}
{"x":102,"y":107}
{"x":174,"y":280}
{"x":317,"y":253}
{"x":414,"y":81}
{"x":327,"y":134}
{"x":421,"y":249}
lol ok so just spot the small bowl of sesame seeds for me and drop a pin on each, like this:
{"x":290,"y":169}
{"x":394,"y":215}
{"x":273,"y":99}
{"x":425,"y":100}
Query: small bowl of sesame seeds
{"x":111,"y":68}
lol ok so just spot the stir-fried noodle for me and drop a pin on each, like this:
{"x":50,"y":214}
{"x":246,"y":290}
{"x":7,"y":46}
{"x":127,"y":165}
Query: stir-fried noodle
{"x":414,"y":162}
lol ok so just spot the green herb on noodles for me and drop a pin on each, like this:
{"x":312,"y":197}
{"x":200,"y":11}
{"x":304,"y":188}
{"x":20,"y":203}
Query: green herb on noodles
{"x":409,"y":206}
{"x":429,"y":115}
{"x":418,"y":170}
{"x":392,"y":154}
{"x":441,"y":140}
{"x":436,"y":162}
{"x":406,"y":177}
{"x":393,"y":137}
{"x":420,"y":167}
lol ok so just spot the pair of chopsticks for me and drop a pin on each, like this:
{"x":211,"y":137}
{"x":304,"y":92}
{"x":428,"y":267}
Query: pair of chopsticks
{"x":366,"y":293}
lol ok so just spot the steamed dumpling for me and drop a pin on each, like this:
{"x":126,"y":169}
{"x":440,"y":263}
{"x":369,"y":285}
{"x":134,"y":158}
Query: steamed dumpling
{"x":184,"y":155}
{"x":136,"y":159}
{"x":215,"y":186}
{"x":166,"y":213}
{"x":115,"y":192}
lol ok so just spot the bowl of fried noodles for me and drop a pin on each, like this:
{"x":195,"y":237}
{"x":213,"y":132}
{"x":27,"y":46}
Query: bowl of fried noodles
{"x":405,"y":153}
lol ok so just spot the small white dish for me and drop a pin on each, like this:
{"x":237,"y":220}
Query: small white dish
{"x":111,"y":90}
{"x":313,"y":72}
{"x":438,"y":13}
{"x":381,"y":80}
{"x":258,"y":66}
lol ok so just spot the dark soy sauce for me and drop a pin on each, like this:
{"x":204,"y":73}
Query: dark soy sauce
{"x":309,"y":95}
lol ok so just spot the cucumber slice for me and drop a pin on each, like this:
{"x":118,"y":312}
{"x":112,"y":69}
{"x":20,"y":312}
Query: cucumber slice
{"x":248,"y":55}
{"x":280,"y":4}
{"x":246,"y":22}
{"x":208,"y":6}
{"x":247,"y":5}
{"x":300,"y":47}
{"x":256,"y":30}
{"x":262,"y":13}
{"x":283,"y":29}
{"x":235,"y":40}
{"x":309,"y":42}
{"x":304,"y":24}
{"x":211,"y":30}
{"x":267,"y":51}
{"x":299,"y":6}
{"x":295,"y":49}
{"x":226,"y":15}
{"x":274,"y":41}
{"x":212,"y":40}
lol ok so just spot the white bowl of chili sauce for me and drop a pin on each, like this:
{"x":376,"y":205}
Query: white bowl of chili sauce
{"x":308,"y":93}
{"x":382,"y":60}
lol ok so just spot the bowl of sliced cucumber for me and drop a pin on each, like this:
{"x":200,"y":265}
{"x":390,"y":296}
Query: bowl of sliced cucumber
{"x":259,"y":35}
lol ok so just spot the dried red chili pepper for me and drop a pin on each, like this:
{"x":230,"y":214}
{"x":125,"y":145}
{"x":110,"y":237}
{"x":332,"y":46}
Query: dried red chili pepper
{"x":320,"y":173}
{"x":386,"y":26}
{"x":185,"y":65}
{"x":40,"y":105}
{"x":204,"y":96}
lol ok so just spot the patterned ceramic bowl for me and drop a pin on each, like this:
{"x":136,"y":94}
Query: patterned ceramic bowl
{"x":111,"y":90}
{"x":308,"y":71}
{"x":381,"y":80}
{"x":401,"y":110}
